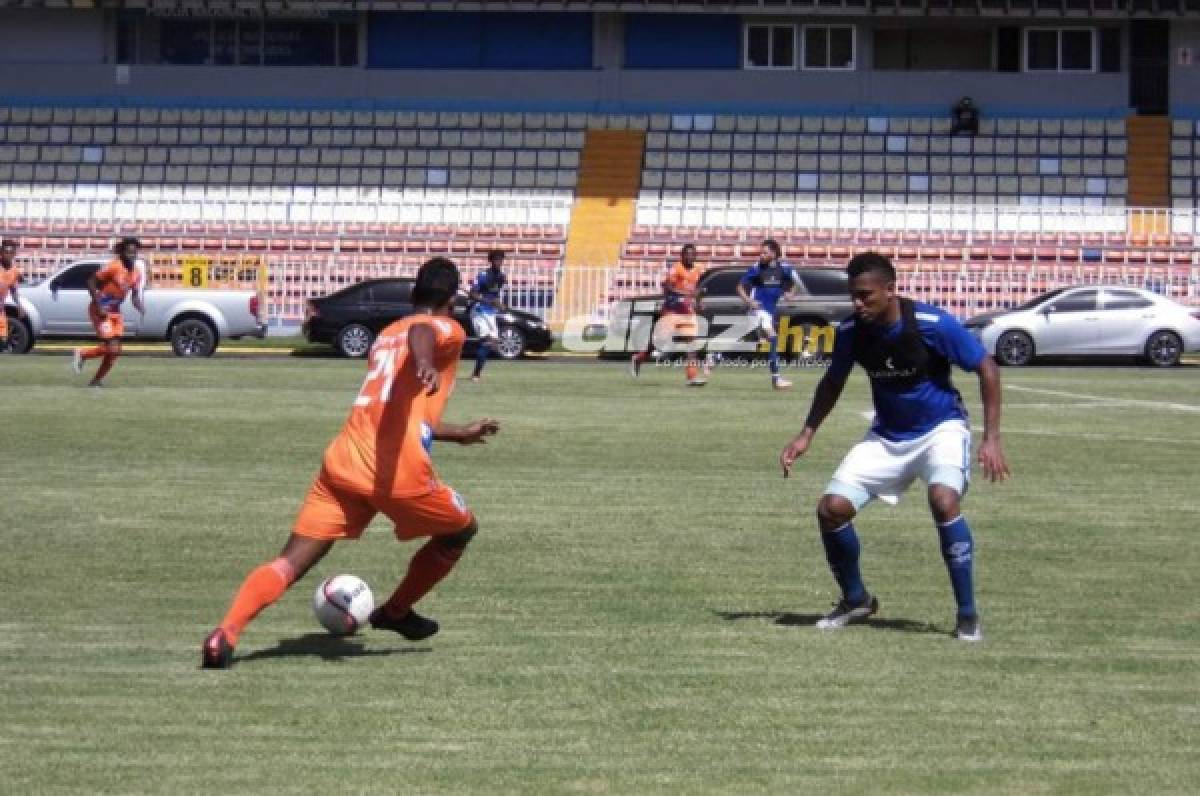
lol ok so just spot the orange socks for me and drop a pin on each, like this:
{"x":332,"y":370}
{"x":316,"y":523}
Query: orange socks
{"x":261,"y":587}
{"x":95,"y":352}
{"x":427,"y":568}
{"x":693,"y":370}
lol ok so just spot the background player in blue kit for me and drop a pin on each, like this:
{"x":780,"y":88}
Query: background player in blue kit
{"x":763,"y":286}
{"x":920,"y":431}
{"x":485,"y":293}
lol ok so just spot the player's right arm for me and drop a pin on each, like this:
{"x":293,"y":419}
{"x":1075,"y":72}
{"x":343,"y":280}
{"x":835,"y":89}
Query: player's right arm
{"x":826,"y":396}
{"x":829,"y":389}
{"x":742,"y":290}
{"x":422,"y":340}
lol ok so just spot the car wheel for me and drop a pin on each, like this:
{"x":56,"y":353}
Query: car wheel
{"x":1014,"y":348}
{"x":20,"y":337}
{"x":193,"y":337}
{"x":1164,"y":349}
{"x":511,"y":343}
{"x":354,"y":340}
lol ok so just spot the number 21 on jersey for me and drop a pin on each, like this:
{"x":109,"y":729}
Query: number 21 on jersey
{"x":377,"y":386}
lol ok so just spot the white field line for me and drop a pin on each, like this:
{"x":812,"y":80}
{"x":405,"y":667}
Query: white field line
{"x":1006,"y":429}
{"x":1110,"y":399}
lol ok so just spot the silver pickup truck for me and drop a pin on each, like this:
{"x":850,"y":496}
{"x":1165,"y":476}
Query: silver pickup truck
{"x":194,"y":321}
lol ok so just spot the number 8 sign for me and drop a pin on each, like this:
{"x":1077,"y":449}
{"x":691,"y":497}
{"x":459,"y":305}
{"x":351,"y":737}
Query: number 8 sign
{"x":195,"y":271}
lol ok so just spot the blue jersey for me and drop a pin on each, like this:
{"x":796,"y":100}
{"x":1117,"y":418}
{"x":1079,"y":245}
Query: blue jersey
{"x":488,"y":285}
{"x":904,"y":410}
{"x":768,"y":284}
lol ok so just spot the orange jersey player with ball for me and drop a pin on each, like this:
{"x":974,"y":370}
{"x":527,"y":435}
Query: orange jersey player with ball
{"x":109,"y":288}
{"x":379,"y":464}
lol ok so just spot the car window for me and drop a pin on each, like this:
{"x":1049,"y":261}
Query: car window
{"x":391,"y":292}
{"x":1125,"y":300}
{"x":1081,"y":301}
{"x":821,"y":282}
{"x":723,"y":284}
{"x":76,"y":278}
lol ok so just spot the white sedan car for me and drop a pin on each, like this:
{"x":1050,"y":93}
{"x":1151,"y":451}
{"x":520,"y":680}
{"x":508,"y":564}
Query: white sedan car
{"x":1096,"y":320}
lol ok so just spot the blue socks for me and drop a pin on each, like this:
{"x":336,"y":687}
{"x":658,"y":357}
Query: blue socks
{"x":481,"y":355}
{"x":841,"y":550}
{"x":958,"y":551}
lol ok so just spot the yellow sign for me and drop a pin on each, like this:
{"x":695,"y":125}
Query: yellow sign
{"x":195,"y":271}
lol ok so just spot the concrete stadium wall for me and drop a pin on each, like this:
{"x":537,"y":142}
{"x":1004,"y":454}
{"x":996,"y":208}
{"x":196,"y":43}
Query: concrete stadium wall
{"x":1185,"y":78}
{"x":78,"y":41}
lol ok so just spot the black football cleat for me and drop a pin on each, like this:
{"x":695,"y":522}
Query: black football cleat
{"x":217,"y":652}
{"x":413,"y":626}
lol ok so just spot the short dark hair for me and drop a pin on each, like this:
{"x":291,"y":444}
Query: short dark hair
{"x":129,"y":240}
{"x":7,"y":242}
{"x":774,"y":246}
{"x":871,"y":261}
{"x":437,"y":283}
{"x":687,"y":246}
{"x":496,"y":254}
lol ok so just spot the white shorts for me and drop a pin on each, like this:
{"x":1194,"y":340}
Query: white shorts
{"x":763,"y":322}
{"x":485,"y":324}
{"x":879,"y":468}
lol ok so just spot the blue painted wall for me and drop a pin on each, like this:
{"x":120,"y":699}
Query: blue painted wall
{"x":479,"y":41}
{"x":683,"y":41}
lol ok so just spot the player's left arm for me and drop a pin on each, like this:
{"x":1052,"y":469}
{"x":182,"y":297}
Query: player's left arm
{"x":957,"y":344}
{"x":422,"y":340}
{"x":467,"y":433}
{"x":991,"y":453}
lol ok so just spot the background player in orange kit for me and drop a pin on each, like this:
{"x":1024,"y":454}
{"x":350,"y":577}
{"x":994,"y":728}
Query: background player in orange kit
{"x":677,"y":322}
{"x":379,"y":463}
{"x":108,"y":287}
{"x":10,"y":275}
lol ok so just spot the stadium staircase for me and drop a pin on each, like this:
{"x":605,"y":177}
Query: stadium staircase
{"x":610,"y":170}
{"x":1148,"y":165}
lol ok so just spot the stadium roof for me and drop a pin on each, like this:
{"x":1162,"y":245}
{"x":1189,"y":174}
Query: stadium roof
{"x":1055,"y":9}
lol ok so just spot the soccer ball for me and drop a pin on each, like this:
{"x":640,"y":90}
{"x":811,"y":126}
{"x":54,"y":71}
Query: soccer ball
{"x":342,"y":604}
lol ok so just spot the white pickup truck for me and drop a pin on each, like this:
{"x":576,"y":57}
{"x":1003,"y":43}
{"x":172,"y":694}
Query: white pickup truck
{"x":194,"y":321}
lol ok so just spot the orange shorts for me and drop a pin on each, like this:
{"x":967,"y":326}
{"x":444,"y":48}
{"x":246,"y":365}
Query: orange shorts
{"x":333,"y":512}
{"x":674,"y":328}
{"x":108,"y":325}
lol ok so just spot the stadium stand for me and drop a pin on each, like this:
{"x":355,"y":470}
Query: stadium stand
{"x":328,"y":197}
{"x":728,"y":159}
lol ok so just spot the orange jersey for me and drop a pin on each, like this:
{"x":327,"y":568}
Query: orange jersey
{"x":680,"y":288}
{"x":379,"y":450}
{"x":9,"y":277}
{"x":115,"y":281}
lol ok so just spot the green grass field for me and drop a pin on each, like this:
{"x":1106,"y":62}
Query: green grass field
{"x":635,"y":615}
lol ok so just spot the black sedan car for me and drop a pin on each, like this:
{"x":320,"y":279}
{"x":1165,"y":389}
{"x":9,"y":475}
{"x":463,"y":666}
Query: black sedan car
{"x":350,"y":319}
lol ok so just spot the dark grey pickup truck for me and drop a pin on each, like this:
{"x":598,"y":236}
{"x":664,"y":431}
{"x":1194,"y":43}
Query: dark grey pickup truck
{"x":806,"y":323}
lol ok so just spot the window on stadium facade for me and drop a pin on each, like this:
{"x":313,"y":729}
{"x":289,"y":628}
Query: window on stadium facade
{"x":1060,"y":49}
{"x":828,"y":46}
{"x":294,"y":42}
{"x":770,"y":47}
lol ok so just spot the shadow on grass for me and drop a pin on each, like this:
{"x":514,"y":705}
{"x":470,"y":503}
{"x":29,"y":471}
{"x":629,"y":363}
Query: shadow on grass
{"x":325,"y":647}
{"x":808,"y":620}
